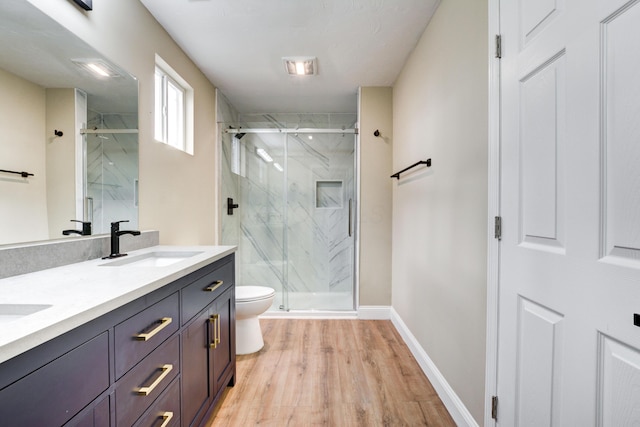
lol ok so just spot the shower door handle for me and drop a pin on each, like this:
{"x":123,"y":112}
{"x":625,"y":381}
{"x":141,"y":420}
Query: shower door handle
{"x":350,"y":215}
{"x":231,"y":206}
{"x":88,"y":209}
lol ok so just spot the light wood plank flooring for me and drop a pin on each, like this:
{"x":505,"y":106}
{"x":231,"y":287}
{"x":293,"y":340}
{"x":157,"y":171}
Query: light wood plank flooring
{"x":330,"y":373}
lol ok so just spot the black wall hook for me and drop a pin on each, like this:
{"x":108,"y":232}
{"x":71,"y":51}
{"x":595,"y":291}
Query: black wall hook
{"x":376,"y":133}
{"x":58,"y":132}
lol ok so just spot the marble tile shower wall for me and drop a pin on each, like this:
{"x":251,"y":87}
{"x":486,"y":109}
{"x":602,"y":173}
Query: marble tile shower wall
{"x":112,"y":171}
{"x":318,"y":254}
{"x":299,"y":120}
{"x":320,"y":248}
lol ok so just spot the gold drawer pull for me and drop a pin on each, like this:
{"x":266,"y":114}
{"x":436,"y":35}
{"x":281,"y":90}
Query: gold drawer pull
{"x":218,"y":329}
{"x":164,"y":322}
{"x":166,"y":416}
{"x":144,"y":391}
{"x":215,"y":319}
{"x":215,"y":285}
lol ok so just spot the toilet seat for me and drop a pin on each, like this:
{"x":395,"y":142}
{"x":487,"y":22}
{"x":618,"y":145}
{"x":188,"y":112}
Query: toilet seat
{"x":253,"y":293}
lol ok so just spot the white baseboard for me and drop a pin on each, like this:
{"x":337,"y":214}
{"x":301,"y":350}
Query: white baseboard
{"x":454,"y":405}
{"x":374,"y":312}
{"x":308,"y":314}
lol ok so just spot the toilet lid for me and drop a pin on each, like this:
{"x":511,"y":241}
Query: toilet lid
{"x":252,"y":293}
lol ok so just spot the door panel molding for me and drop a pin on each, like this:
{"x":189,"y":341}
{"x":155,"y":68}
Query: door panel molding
{"x":620,"y":203}
{"x":542,"y":197}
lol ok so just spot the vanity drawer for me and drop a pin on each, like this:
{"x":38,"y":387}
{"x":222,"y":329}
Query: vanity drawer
{"x":165,"y":411}
{"x":141,"y":334}
{"x":146,"y":381}
{"x":200,"y":293}
{"x":57,"y":391}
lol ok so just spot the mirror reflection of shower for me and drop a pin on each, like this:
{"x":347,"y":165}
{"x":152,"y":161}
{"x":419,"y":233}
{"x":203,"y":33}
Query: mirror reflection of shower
{"x":111,"y":153}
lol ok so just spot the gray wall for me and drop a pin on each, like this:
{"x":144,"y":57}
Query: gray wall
{"x":439,"y":215}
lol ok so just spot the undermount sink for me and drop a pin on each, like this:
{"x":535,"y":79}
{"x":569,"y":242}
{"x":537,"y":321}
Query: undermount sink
{"x":152,"y":259}
{"x":11,"y":312}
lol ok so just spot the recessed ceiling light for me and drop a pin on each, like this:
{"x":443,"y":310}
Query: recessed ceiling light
{"x":97,"y":67}
{"x":301,"y":66}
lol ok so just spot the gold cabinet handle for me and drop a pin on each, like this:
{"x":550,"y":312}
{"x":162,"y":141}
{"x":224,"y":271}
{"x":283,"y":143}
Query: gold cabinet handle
{"x":164,"y":322}
{"x":215,"y":285}
{"x":218,"y":329}
{"x":215,"y":319}
{"x":166,"y":416}
{"x":144,"y":391}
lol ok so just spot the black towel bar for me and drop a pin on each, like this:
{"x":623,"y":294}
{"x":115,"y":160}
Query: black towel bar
{"x":421,"y":162}
{"x":23,"y":174}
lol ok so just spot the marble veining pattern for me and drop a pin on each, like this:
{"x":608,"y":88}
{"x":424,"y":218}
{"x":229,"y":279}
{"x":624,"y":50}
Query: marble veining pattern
{"x":112,"y":171}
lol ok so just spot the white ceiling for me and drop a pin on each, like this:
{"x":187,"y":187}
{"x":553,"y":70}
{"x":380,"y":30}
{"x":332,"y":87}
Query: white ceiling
{"x":38,"y":49}
{"x":239,"y":45}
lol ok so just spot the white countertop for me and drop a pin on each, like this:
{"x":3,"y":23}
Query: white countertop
{"x":79,"y":293}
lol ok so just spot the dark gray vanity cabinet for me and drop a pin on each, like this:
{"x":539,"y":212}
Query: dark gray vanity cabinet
{"x":223,"y":353}
{"x":162,"y":359}
{"x":53,"y":393}
{"x":208,"y":346}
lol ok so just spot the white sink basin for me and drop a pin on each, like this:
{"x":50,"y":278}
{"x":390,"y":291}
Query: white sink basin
{"x":11,"y":312}
{"x":152,"y":259}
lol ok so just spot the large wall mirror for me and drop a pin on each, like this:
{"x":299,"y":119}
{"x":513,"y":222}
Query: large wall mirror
{"x":70,"y":124}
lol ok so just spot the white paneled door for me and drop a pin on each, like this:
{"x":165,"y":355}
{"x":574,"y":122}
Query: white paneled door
{"x":569,"y":352}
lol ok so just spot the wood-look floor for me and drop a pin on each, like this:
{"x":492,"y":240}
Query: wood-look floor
{"x":330,"y":373}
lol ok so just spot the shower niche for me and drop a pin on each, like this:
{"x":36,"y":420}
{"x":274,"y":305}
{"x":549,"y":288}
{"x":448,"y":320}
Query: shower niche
{"x":329,"y":194}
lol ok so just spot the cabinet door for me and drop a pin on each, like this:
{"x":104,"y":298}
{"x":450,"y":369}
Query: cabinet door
{"x":224,"y":353}
{"x":195,"y":362}
{"x":98,"y":416}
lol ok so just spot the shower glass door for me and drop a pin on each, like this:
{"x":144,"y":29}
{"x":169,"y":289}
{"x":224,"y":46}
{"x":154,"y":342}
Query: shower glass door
{"x":111,"y":170}
{"x":320,"y":213}
{"x":294,"y":223}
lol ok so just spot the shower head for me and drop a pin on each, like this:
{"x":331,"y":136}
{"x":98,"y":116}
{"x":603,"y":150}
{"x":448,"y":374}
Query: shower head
{"x":239,"y":135}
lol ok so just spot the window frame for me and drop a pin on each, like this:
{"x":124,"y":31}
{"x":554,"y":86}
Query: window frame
{"x":166,"y":80}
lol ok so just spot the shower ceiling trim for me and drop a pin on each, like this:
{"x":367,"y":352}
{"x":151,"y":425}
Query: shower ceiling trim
{"x":292,"y":130}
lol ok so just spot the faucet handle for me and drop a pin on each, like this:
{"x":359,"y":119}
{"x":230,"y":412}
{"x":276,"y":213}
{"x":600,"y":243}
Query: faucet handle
{"x":115,"y":226}
{"x":86,"y":227}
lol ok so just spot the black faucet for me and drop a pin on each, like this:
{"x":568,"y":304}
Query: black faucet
{"x":115,"y":238}
{"x":86,"y":229}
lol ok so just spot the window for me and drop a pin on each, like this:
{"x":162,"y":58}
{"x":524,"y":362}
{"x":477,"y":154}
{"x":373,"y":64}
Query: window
{"x":173,"y":104}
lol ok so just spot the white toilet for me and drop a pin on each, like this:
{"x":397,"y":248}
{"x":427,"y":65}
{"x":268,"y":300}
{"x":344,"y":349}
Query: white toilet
{"x":251,"y":301}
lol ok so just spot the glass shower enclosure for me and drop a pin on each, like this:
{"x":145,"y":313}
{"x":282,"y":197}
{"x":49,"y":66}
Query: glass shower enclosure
{"x":111,"y":170}
{"x":294,"y":223}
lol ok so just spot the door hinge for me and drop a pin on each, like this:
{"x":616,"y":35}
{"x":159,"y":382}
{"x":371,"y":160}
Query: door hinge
{"x":498,"y":46}
{"x":497,"y":228}
{"x":494,"y":407}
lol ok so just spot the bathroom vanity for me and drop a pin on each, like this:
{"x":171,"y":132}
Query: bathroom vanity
{"x":146,"y":340}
